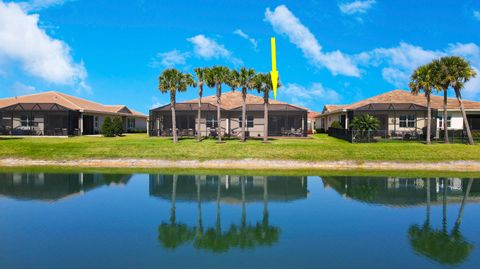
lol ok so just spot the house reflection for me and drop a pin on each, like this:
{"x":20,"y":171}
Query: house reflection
{"x":223,"y":189}
{"x":443,"y":245}
{"x":392,"y":191}
{"x":53,"y":187}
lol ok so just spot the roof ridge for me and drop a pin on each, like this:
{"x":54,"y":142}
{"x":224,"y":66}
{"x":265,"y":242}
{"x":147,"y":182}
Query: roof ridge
{"x":66,"y":99}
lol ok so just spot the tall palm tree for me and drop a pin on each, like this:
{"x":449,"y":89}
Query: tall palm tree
{"x":460,"y":72}
{"x":173,"y":81}
{"x":440,"y":75}
{"x":200,"y":73}
{"x":422,"y":80}
{"x":263,"y":83}
{"x":246,"y":81}
{"x":215,"y":77}
{"x":233,"y":81}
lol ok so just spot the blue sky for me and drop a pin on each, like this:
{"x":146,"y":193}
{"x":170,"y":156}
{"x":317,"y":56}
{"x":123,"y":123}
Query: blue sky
{"x":337,"y":51}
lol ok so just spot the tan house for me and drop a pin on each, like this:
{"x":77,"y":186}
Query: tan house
{"x":58,"y":114}
{"x":284,"y":119}
{"x":401,"y":112}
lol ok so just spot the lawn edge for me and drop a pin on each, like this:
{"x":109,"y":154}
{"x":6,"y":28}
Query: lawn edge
{"x":247,"y":164}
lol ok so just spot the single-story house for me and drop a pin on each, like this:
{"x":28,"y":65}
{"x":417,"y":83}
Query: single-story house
{"x":312,"y":125}
{"x":399,"y":111}
{"x":58,"y":114}
{"x":283,"y":119}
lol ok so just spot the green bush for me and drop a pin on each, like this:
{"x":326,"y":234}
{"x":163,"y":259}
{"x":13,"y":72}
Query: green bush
{"x":107,"y":128}
{"x":365,"y":123}
{"x":336,"y":124}
{"x":117,"y":126}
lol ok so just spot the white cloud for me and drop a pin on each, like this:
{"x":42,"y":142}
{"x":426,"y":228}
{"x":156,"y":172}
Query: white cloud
{"x":398,"y":63}
{"x":476,"y":14}
{"x":40,"y":55}
{"x":208,"y":48}
{"x":306,"y":96}
{"x":170,"y":59}
{"x":284,"y":22}
{"x":242,"y":34}
{"x":356,"y":7}
{"x":35,"y":5}
{"x":22,"y":89}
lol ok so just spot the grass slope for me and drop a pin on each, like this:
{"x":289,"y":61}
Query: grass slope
{"x":318,"y":148}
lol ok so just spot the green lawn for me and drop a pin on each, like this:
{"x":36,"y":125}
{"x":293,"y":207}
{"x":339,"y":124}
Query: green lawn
{"x":318,"y":148}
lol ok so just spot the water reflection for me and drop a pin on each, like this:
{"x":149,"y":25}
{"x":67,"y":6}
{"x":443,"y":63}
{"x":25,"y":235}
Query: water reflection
{"x":227,"y":189}
{"x":401,"y":191}
{"x":438,"y":244}
{"x":53,"y":187}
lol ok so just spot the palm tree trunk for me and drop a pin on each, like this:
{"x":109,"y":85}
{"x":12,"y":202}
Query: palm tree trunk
{"x":174,"y":199}
{"x":199,"y":206}
{"x":429,"y":119}
{"x":174,"y":118}
{"x":428,"y":200}
{"x":465,"y":120}
{"x":444,"y":203}
{"x":244,"y":112}
{"x":244,"y":209}
{"x":265,"y":200}
{"x":219,"y":121}
{"x":445,"y":116}
{"x":464,"y":201}
{"x":199,"y":114}
{"x":265,"y":122}
{"x":218,"y":228}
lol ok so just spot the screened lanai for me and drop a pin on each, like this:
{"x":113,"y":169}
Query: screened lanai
{"x":284,"y":120}
{"x":48,"y":119}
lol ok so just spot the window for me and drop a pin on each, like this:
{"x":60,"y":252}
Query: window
{"x":211,"y":121}
{"x":249,"y":122}
{"x":96,"y":121}
{"x":407,"y":121}
{"x":449,"y":121}
{"x":27,"y":121}
{"x":131,"y":123}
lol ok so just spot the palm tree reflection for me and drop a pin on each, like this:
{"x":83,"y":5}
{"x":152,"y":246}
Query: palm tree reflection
{"x":243,"y":236}
{"x":172,"y":235}
{"x":440,"y":245}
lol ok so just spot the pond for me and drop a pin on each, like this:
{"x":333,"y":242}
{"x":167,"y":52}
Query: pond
{"x":94,"y":220}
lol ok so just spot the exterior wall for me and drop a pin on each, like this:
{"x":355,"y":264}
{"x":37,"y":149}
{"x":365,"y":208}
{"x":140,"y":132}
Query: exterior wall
{"x":230,"y":122}
{"x":456,"y":122}
{"x":329,"y":119}
{"x":140,"y":123}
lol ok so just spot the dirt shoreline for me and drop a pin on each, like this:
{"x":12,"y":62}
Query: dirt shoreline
{"x":246,"y":164}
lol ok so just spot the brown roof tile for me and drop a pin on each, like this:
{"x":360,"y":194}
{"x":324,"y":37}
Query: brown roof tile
{"x":68,"y":101}
{"x":405,"y":97}
{"x":231,"y":100}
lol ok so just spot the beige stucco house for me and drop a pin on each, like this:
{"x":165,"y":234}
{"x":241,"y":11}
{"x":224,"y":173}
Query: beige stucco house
{"x":58,"y":114}
{"x":401,"y":112}
{"x":284,"y":119}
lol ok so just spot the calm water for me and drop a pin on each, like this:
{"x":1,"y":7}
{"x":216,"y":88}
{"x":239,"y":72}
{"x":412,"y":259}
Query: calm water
{"x":183,"y":221}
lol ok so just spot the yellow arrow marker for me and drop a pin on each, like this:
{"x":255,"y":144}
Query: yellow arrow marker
{"x":274,"y":72}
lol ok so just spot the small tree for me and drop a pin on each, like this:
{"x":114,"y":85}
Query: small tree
{"x":117,"y":126}
{"x":336,"y":125}
{"x":365,"y":123}
{"x":107,"y":129}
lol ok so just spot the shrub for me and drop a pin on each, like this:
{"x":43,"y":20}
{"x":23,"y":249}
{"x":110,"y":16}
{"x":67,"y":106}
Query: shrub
{"x":336,"y":124}
{"x":117,"y":126}
{"x":365,"y":123}
{"x":107,"y":128}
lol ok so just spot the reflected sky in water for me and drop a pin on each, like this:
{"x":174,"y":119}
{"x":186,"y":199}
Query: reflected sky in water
{"x":182,"y":221}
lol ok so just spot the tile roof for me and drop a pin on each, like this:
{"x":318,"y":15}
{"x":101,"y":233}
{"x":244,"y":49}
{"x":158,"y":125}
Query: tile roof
{"x":231,"y":100}
{"x":68,"y":101}
{"x":405,"y":97}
